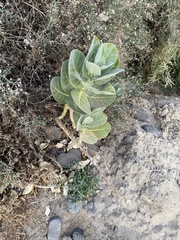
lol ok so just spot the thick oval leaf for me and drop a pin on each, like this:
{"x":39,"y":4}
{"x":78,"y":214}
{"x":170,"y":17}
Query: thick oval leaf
{"x":67,"y":86}
{"x":87,"y":137}
{"x":101,"y":131}
{"x":76,"y":61}
{"x":76,"y":116}
{"x":108,"y":54}
{"x":81,"y":100}
{"x":83,"y":122}
{"x":95,"y":44}
{"x":87,"y":121}
{"x":95,"y":119}
{"x":98,"y":117}
{"x":106,"y":96}
{"x":73,"y":105}
{"x":58,"y":94}
{"x":106,"y":78}
{"x":99,"y":58}
{"x":93,"y":69}
{"x":107,"y":89}
{"x":101,"y":100}
{"x":90,"y":56}
{"x":108,"y":66}
{"x":92,"y":135}
{"x":105,"y":70}
{"x":90,"y":91}
{"x":79,"y":125}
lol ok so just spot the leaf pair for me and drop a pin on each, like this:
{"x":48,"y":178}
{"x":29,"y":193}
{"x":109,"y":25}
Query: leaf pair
{"x":93,"y":127}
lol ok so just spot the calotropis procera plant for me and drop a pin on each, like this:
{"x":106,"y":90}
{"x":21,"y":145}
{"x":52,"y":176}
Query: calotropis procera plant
{"x":84,"y":88}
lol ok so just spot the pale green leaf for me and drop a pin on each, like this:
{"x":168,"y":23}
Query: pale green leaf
{"x":81,"y":100}
{"x":95,"y":119}
{"x":90,"y":56}
{"x":107,"y":89}
{"x":76,"y":116}
{"x":73,"y":105}
{"x":106,"y":96}
{"x":90,"y":91}
{"x":101,"y":131}
{"x":87,"y":121}
{"x":87,"y":137}
{"x":67,"y":86}
{"x":79,"y":125}
{"x":83,"y":122}
{"x":92,"y":135}
{"x":108,"y":66}
{"x":106,"y":78}
{"x":95,"y":44}
{"x":93,"y":69}
{"x":101,"y":100}
{"x":57,"y":91}
{"x":99,"y":118}
{"x":99,"y":59}
{"x":105,"y":70}
{"x":76,"y":61}
{"x":108,"y":54}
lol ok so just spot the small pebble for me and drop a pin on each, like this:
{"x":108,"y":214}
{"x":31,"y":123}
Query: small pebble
{"x":54,"y":228}
{"x":151,"y":129}
{"x":78,"y":234}
{"x":141,"y":115}
{"x":74,"y":207}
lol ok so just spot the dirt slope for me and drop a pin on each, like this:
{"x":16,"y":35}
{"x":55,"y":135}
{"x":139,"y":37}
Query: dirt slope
{"x":143,"y":163}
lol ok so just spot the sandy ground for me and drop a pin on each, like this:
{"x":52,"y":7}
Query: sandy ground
{"x":143,"y":163}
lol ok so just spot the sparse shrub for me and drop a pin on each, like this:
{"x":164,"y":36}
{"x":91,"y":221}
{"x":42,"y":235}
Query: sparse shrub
{"x":6,"y":176}
{"x":165,"y":67}
{"x":149,"y":40}
{"x":10,"y":91}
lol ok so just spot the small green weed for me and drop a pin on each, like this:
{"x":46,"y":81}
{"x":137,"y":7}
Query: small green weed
{"x":82,"y":185}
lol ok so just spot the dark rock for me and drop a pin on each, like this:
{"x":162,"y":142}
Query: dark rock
{"x":53,"y":133}
{"x":151,"y":129}
{"x":67,"y":160}
{"x":74,"y":207}
{"x":54,"y":152}
{"x":78,"y":234}
{"x":54,"y":228}
{"x":141,"y":115}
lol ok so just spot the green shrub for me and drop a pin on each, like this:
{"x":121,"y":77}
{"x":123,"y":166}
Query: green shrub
{"x":84,"y":87}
